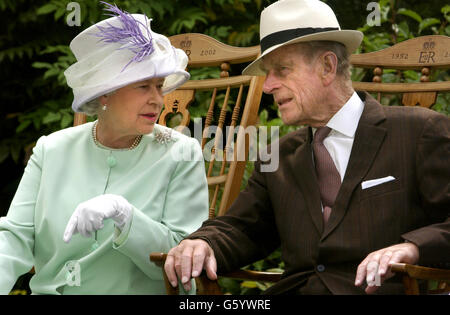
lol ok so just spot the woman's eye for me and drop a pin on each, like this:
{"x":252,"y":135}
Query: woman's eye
{"x":148,"y":86}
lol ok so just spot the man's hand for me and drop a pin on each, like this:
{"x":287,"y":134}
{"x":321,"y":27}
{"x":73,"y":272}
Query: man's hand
{"x":187,"y":260}
{"x":376,"y":266}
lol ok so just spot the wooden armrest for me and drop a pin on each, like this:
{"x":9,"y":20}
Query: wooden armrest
{"x":253,"y":275}
{"x":206,"y":286}
{"x":413,"y":272}
{"x":420,"y":272}
{"x":158,"y":258}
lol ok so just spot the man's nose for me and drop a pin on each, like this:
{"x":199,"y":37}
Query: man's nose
{"x":270,"y":83}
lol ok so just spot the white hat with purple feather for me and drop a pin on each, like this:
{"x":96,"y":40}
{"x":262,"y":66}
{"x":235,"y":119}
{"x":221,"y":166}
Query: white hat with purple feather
{"x":119,"y":51}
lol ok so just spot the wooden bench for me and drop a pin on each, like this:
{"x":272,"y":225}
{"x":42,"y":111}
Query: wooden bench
{"x":424,"y":54}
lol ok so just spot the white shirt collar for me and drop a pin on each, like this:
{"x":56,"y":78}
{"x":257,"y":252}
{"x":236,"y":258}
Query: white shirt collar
{"x":346,"y":120}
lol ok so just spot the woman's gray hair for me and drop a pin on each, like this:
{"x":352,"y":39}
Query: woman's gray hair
{"x":314,"y":48}
{"x":92,"y":107}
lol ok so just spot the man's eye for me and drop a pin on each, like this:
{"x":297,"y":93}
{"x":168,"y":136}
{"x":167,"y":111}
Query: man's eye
{"x":282,"y":70}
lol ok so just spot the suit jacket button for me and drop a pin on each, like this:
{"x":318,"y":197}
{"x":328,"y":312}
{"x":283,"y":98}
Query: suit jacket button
{"x":320,"y":268}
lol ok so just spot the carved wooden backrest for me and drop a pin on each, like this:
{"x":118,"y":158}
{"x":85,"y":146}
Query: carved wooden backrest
{"x":232,"y":101}
{"x":424,"y":54}
{"x":228,"y":101}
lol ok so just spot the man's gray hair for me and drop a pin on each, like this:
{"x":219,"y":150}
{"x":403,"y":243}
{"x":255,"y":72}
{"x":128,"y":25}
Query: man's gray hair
{"x":314,"y":48}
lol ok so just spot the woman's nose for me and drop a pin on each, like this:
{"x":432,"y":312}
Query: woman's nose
{"x":155,"y":95}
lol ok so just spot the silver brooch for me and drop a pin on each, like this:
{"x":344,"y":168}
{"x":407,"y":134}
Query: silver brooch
{"x":164,"y":137}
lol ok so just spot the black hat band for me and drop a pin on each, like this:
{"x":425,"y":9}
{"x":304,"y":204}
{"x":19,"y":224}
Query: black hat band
{"x":286,"y":35}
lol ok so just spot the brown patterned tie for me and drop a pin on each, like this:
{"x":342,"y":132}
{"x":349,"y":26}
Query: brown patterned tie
{"x":327,"y":174}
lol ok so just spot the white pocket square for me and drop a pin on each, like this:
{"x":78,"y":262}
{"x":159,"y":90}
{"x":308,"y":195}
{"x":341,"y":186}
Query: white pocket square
{"x":374,"y":182}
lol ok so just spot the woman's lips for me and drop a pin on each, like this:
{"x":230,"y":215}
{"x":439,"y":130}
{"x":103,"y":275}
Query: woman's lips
{"x":150,"y":116}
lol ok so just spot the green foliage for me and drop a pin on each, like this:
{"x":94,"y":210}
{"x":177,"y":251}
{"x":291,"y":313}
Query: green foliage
{"x":34,"y":52}
{"x":399,"y":24}
{"x":56,"y":69}
{"x":187,"y":19}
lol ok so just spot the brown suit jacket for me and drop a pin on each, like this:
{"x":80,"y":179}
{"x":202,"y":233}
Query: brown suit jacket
{"x":283,"y":208}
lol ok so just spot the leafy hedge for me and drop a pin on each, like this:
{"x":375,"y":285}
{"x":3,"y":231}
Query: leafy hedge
{"x":34,"y":53}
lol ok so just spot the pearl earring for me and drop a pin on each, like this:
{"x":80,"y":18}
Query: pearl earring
{"x":104,"y":107}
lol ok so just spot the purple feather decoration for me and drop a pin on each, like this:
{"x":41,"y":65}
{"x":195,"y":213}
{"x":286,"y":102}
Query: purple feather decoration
{"x":129,"y":35}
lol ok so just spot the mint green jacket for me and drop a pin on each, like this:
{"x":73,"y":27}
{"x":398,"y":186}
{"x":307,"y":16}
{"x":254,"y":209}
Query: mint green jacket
{"x":164,"y":181}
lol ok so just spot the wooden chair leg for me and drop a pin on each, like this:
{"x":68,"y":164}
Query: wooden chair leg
{"x":443,"y":287}
{"x":205,"y":286}
{"x":169,"y":289}
{"x":411,"y":286}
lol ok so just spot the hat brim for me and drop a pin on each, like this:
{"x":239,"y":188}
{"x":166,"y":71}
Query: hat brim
{"x":350,"y":38}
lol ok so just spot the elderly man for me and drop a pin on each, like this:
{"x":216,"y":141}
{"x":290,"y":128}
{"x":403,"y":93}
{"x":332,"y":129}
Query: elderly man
{"x":364,"y":185}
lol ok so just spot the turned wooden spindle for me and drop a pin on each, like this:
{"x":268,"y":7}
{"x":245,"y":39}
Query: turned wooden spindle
{"x":377,"y":73}
{"x":225,"y":67}
{"x":425,"y":74}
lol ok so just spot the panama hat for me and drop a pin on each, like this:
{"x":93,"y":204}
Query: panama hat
{"x":292,"y":21}
{"x":119,"y":51}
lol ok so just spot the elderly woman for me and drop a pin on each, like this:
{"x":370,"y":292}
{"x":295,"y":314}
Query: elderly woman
{"x":96,"y":199}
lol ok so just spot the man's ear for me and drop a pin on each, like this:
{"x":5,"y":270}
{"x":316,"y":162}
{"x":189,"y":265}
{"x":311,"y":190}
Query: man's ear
{"x":328,"y":62}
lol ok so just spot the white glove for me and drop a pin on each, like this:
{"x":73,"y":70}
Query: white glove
{"x":89,"y":215}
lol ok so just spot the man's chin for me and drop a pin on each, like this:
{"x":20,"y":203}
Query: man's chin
{"x":288,"y":121}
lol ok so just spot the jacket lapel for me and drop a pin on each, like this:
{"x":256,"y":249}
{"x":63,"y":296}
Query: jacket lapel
{"x":304,"y":172}
{"x":368,"y":140}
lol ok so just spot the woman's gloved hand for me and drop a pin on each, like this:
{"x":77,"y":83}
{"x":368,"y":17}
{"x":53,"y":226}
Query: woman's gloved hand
{"x":89,"y":215}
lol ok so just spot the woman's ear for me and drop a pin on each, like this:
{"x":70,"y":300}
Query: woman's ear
{"x":104,"y":99}
{"x":329,"y":64}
